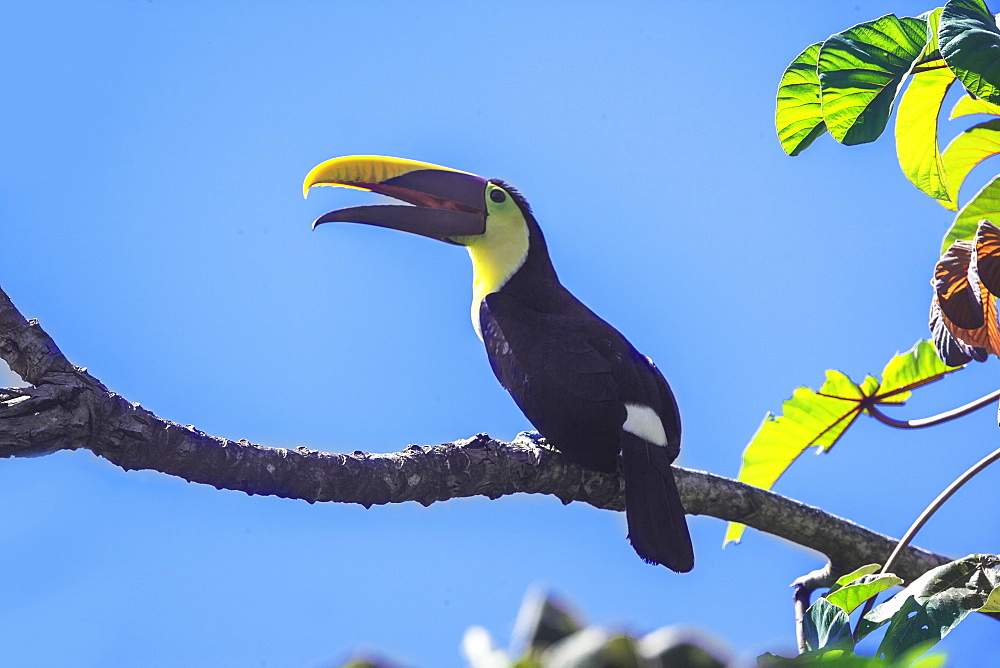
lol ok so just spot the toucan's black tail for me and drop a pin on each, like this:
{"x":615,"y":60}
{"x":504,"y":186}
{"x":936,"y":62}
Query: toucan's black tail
{"x":657,"y":527}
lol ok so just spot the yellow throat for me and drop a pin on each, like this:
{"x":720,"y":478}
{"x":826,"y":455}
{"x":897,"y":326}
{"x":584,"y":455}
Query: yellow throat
{"x":498,"y":253}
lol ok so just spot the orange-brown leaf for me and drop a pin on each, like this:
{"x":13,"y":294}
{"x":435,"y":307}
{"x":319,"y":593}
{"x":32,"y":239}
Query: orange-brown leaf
{"x":959,"y":297}
{"x":987,"y":336}
{"x":951,"y":351}
{"x":987,"y":261}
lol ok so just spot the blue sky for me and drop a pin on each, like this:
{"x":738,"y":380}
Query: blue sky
{"x":153,"y":222}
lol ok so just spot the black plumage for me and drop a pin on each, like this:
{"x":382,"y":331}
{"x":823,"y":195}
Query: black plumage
{"x":573,"y":376}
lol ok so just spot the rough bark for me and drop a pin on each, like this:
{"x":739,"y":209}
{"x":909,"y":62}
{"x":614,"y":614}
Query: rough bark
{"x":66,"y":409}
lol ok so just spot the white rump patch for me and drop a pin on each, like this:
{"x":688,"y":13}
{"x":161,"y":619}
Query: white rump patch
{"x":642,"y":421}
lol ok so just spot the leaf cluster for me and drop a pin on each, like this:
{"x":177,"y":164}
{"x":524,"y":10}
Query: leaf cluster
{"x":916,"y":618}
{"x":849,"y":84}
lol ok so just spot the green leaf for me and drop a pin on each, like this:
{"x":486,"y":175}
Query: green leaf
{"x":827,"y":626}
{"x":992,"y":602}
{"x":967,"y":105}
{"x":798,"y":116}
{"x":860,"y":71}
{"x":967,"y":150}
{"x":932,"y":661}
{"x":917,"y":131}
{"x":850,"y":596}
{"x":931,"y":51}
{"x":985,"y":204}
{"x":907,"y":371}
{"x":820,"y":418}
{"x":840,"y":658}
{"x":809,"y":419}
{"x":970,"y":43}
{"x":910,"y":627}
{"x":933,"y":604}
{"x":867,"y":569}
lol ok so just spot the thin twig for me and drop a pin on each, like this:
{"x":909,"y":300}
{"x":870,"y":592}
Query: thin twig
{"x":802,"y":597}
{"x":933,"y":420}
{"x":803,"y":588}
{"x":924,"y":516}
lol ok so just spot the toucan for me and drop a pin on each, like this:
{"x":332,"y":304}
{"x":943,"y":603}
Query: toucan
{"x":582,"y":385}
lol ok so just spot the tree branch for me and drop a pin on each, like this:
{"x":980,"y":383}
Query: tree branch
{"x":66,"y":409}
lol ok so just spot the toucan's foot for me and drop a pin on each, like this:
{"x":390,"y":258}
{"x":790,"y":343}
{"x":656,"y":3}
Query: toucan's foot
{"x":531,"y":437}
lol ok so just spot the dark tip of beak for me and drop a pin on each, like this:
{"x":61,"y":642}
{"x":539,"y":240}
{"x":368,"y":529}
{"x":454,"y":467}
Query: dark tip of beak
{"x":325,"y":218}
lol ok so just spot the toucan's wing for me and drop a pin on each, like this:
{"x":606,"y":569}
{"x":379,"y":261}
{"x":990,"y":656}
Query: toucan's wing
{"x":574,"y":378}
{"x":558,"y":378}
{"x":667,"y":409}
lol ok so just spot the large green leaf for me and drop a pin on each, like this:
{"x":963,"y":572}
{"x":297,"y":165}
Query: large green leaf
{"x":809,"y":418}
{"x":860,"y":71}
{"x":798,"y":116}
{"x":852,"y":595}
{"x":910,"y":627}
{"x":972,"y":105}
{"x":827,"y":626}
{"x":985,"y":204}
{"x":917,"y":131}
{"x":926,"y":610}
{"x":967,"y":150}
{"x":820,"y":418}
{"x":970,"y":43}
{"x":931,"y":52}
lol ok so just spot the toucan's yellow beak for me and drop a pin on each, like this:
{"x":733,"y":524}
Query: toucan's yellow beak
{"x":448,"y":202}
{"x":354,"y":171}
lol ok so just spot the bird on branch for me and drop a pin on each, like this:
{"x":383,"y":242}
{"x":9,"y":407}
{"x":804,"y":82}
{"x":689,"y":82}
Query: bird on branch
{"x":583,"y":386}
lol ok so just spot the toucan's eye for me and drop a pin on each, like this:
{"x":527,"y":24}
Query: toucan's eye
{"x":498,"y":195}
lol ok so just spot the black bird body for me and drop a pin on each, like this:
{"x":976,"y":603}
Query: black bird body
{"x":583,"y":386}
{"x":574,"y":377}
{"x":548,"y":355}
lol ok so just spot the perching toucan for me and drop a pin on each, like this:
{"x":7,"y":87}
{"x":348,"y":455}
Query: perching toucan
{"x":579,"y":381}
